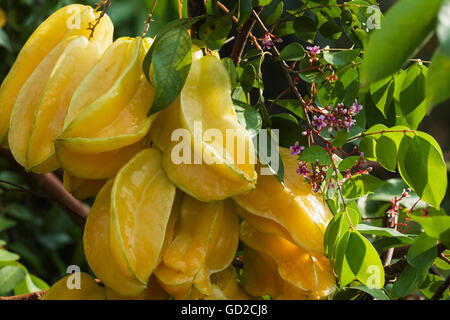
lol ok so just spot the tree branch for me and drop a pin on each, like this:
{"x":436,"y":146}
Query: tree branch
{"x":77,"y":210}
{"x":242,"y":36}
{"x":196,"y":8}
{"x":27,"y":296}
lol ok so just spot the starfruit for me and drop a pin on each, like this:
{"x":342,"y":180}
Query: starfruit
{"x":52,"y":39}
{"x":188,"y":250}
{"x":153,"y":292}
{"x":82,"y":188}
{"x":214,"y":166}
{"x":98,"y":166}
{"x":97,"y":247}
{"x":222,"y":248}
{"x":141,"y":202}
{"x":225,"y":286}
{"x":76,"y":286}
{"x":307,"y":272}
{"x":260,"y":277}
{"x":293,"y":205}
{"x":205,"y":241}
{"x":109,"y":109}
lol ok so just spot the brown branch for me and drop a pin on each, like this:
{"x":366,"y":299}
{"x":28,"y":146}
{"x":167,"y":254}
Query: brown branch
{"x":27,"y":296}
{"x":92,"y":26}
{"x":440,"y":291}
{"x":196,"y":8}
{"x":242,"y":36}
{"x":77,"y":210}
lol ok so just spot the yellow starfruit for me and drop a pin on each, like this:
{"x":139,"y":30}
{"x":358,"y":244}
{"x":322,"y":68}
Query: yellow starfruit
{"x":293,"y":205}
{"x":97,"y":247}
{"x":69,"y":21}
{"x":76,"y":286}
{"x":295,"y":265}
{"x":82,"y":188}
{"x":141,"y":202}
{"x":218,"y":158}
{"x":114,"y":115}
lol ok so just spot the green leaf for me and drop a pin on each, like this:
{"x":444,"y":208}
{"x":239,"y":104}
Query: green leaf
{"x":389,"y":48}
{"x":384,"y":243}
{"x":343,"y":270}
{"x":382,"y":92}
{"x":292,"y":52}
{"x":248,"y":116}
{"x":341,"y":138}
{"x":6,"y":256}
{"x":360,"y":185}
{"x":305,"y":28}
{"x":276,"y":14}
{"x":330,"y":30}
{"x":245,"y":9}
{"x":6,"y":223}
{"x":364,"y":261}
{"x":348,"y":163}
{"x":423,"y":168}
{"x":378,"y":294}
{"x":248,"y":77}
{"x":215,"y":31}
{"x":386,"y":152}
{"x":316,"y":153}
{"x":231,"y":69}
{"x":341,"y":58}
{"x":412,"y":95}
{"x":431,"y":285}
{"x":408,"y":281}
{"x":292,"y":105}
{"x":438,"y":81}
{"x":437,"y":227}
{"x":171,"y":60}
{"x":289,"y":129}
{"x":379,"y":231}
{"x":265,"y":143}
{"x":443,"y":28}
{"x":10,"y":276}
{"x":422,"y":253}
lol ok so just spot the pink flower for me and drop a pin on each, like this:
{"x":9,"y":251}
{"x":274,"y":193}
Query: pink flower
{"x":267,"y":42}
{"x":296,"y":149}
{"x":319,"y":122}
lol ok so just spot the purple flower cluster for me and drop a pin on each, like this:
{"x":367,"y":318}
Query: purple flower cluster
{"x":296,"y":149}
{"x":268,"y":40}
{"x":338,"y":118}
{"x":313,"y":52}
{"x":302,"y":169}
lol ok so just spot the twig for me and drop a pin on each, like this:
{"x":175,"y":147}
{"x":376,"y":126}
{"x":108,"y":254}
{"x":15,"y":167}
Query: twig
{"x":440,"y":291}
{"x":106,"y":4}
{"x":53,"y":186}
{"x":196,"y":8}
{"x":243,"y":34}
{"x":149,"y":19}
{"x":27,"y":296}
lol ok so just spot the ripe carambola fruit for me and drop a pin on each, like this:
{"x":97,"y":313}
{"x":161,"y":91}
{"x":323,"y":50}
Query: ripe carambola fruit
{"x":107,"y":117}
{"x":210,"y":169}
{"x":82,"y":188}
{"x":153,"y":292}
{"x":141,"y":202}
{"x":51,"y":38}
{"x":310,"y":275}
{"x":97,"y":247}
{"x":205,"y":241}
{"x":75,"y":286}
{"x":291,"y":210}
{"x":109,"y":109}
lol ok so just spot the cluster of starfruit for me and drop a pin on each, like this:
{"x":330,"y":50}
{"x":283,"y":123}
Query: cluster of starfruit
{"x":159,"y":228}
